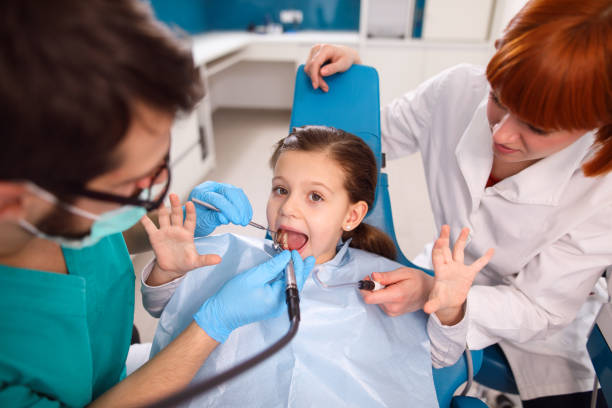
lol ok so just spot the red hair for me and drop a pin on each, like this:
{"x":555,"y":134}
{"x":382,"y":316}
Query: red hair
{"x":553,"y":69}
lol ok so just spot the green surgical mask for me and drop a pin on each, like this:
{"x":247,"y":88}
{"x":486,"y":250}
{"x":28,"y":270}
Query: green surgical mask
{"x":105,"y":224}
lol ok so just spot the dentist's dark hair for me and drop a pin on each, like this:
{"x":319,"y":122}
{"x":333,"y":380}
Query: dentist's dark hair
{"x":71,"y":74}
{"x":355,"y":157}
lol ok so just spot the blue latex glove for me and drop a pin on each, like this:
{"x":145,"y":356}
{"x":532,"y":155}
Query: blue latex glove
{"x":251,"y":296}
{"x":231,"y":201}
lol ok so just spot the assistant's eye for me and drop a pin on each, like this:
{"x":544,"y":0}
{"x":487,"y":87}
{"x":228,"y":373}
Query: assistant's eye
{"x":315,"y":197}
{"x":495,"y":99}
{"x":536,"y":130}
{"x":278,"y":190}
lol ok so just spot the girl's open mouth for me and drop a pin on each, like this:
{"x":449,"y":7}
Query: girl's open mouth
{"x":290,"y":239}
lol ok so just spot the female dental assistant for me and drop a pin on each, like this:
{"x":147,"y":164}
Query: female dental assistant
{"x":521,"y":153}
{"x":88,"y":99}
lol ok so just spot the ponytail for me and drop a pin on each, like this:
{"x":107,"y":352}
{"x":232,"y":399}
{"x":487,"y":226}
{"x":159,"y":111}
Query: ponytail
{"x":371,"y":239}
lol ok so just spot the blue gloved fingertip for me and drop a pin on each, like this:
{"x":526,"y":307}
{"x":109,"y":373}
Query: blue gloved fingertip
{"x":310,"y":261}
{"x":222,"y":219}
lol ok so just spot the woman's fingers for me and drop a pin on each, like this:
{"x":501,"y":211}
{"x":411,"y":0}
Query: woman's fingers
{"x":341,"y":59}
{"x":319,"y":56}
{"x":339,"y":64}
{"x":308,"y":67}
{"x":394,"y":276}
{"x":390,"y":294}
{"x":176,"y":211}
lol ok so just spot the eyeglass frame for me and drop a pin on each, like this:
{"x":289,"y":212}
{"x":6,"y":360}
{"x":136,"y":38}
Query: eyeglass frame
{"x":134,"y":199}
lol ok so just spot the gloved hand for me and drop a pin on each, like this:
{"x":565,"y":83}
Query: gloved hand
{"x":231,"y":201}
{"x":251,"y":296}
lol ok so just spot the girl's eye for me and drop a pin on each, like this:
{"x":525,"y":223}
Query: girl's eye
{"x":279,"y":190}
{"x":315,"y":197}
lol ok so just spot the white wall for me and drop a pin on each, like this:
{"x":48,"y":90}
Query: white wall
{"x":504,"y":11}
{"x":261,"y":85}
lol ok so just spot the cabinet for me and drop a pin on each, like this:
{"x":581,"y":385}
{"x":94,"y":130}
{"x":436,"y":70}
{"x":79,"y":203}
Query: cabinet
{"x":243,"y":70}
{"x":192,"y":152}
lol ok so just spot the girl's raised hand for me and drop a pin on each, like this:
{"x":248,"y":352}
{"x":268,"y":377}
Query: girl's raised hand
{"x":173,"y":242}
{"x":453,"y":279}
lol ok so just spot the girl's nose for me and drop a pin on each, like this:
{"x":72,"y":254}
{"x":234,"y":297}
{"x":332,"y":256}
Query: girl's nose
{"x":289,"y":208}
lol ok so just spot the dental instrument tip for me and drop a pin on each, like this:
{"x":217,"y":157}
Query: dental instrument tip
{"x":369,"y":285}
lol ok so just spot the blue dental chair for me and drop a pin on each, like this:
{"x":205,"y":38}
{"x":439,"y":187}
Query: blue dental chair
{"x":353,"y":104}
{"x":599,"y":344}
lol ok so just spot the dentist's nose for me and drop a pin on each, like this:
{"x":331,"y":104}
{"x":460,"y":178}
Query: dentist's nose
{"x":506,"y":131}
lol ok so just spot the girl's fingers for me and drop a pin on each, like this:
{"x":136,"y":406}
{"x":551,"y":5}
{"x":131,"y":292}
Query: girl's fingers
{"x":148,"y":225}
{"x":432,"y":305}
{"x":163,"y":216}
{"x":446,"y":252}
{"x":444,"y":243}
{"x":176,"y":216}
{"x":445,"y":232}
{"x":437,"y":258}
{"x":460,"y":245}
{"x":208,"y":259}
{"x":190,"y":217}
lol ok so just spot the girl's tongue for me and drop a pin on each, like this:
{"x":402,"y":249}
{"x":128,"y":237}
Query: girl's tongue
{"x":291,"y":239}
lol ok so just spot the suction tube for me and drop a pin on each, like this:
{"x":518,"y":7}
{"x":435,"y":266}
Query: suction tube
{"x":293,"y":307}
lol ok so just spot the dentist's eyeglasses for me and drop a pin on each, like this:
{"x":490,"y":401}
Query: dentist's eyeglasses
{"x":149,"y":198}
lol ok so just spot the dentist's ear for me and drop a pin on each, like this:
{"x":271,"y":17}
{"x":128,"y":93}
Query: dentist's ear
{"x":355,"y":214}
{"x":12,"y":200}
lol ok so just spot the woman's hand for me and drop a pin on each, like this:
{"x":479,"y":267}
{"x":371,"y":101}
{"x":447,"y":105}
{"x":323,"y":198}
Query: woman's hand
{"x":453,"y":278}
{"x":251,"y":296}
{"x":173,"y":243}
{"x":340,"y":59}
{"x":406,"y":291}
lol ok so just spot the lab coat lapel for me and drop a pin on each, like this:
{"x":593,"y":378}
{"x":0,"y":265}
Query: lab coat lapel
{"x":474,"y":153}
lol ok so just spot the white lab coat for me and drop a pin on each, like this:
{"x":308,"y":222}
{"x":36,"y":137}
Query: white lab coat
{"x":551,"y":228}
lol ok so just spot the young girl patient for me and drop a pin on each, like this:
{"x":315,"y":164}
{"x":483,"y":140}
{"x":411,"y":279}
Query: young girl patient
{"x":346,"y":353}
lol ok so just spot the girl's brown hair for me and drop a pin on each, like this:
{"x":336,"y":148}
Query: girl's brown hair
{"x":357,"y":161}
{"x":553,"y":69}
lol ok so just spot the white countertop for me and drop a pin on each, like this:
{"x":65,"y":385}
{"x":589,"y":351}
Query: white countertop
{"x":210,"y":46}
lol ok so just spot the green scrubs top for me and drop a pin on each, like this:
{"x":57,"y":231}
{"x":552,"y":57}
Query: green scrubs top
{"x":64,"y":338}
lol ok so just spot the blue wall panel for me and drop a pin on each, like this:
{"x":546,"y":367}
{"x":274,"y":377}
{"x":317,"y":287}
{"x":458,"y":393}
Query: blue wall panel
{"x":189,"y":15}
{"x":196,"y":16}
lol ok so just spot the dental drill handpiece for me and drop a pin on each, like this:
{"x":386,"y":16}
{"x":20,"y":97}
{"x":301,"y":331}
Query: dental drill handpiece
{"x":291,"y":293}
